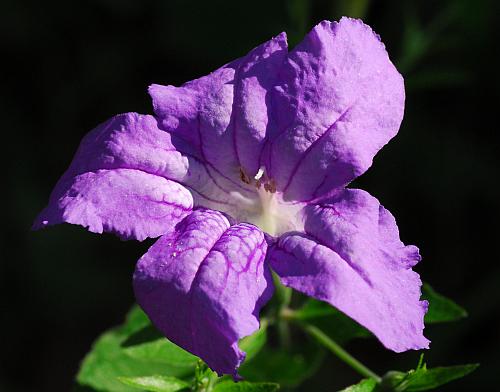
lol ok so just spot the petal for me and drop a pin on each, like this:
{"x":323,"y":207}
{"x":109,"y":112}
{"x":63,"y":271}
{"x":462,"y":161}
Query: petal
{"x":339,"y":100}
{"x":223,"y":116}
{"x":123,"y":180}
{"x":203,"y":286}
{"x":256,"y":75}
{"x":130,"y":203}
{"x":129,"y":141}
{"x":351,"y":256}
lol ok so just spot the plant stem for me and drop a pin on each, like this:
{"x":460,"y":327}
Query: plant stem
{"x":333,"y":346}
{"x":284,"y":295}
{"x":205,"y":378}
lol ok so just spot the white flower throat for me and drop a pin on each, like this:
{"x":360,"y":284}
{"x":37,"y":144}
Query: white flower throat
{"x":267,"y":210}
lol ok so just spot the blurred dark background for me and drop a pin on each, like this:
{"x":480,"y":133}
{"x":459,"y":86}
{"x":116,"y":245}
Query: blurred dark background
{"x":69,"y":65}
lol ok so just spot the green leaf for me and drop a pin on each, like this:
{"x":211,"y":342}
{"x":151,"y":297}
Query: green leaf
{"x":336,"y":324}
{"x":392,"y":380}
{"x":149,"y":345}
{"x":155,"y":383}
{"x":252,"y":344}
{"x":132,"y":350}
{"x":244,"y":386}
{"x":366,"y":385}
{"x":423,"y":379}
{"x":282,"y":367}
{"x":441,"y":309}
{"x":342,"y":328}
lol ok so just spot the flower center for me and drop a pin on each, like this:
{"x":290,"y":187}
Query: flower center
{"x":267,"y":210}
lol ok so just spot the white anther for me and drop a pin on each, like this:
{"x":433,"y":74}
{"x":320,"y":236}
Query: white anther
{"x":260,"y":173}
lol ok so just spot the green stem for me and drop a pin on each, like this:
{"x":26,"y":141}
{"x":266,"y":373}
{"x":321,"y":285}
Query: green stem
{"x":211,"y":381}
{"x":205,"y":378}
{"x":284,"y":295}
{"x":331,"y":345}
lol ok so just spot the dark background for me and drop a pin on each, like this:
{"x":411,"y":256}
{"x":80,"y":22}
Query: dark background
{"x":70,"y":65}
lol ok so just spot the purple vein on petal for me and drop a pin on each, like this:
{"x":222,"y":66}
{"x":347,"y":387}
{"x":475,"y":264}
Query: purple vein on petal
{"x":202,"y":153}
{"x":344,"y":257}
{"x":308,"y":150}
{"x":232,"y":121}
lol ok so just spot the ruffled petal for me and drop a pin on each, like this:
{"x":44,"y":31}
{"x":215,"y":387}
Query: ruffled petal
{"x":350,"y":255}
{"x":223,"y":116}
{"x":124,"y":179}
{"x":203,"y":286}
{"x":338,"y":101}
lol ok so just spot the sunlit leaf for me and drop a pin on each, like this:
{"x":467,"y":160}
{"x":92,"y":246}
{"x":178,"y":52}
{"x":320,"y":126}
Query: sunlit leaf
{"x":152,"y":346}
{"x":423,"y":379}
{"x":155,"y":383}
{"x":243,"y":386}
{"x":366,"y":385}
{"x":126,"y":352}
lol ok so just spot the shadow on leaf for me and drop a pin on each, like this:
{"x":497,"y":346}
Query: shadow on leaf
{"x":145,"y":335}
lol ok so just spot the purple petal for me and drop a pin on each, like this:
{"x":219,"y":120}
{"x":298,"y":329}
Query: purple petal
{"x":123,"y":180}
{"x":223,"y":115}
{"x":351,"y":256}
{"x":129,"y":141}
{"x":339,"y":100}
{"x":256,"y":75}
{"x":203,"y":286}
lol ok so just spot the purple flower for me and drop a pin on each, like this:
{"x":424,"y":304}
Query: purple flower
{"x":243,"y":171}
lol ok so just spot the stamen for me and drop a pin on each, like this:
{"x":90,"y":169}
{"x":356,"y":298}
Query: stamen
{"x":270,"y":186}
{"x":244,"y":176}
{"x":260,"y":173}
